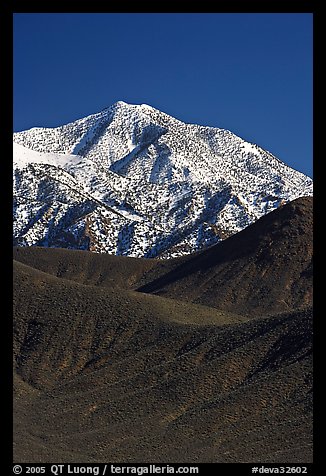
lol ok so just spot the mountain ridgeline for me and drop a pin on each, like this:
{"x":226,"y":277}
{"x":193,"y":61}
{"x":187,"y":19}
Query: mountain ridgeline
{"x":134,"y":181}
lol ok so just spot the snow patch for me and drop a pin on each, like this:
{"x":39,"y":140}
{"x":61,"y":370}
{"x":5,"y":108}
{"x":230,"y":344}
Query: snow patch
{"x":23,"y":156}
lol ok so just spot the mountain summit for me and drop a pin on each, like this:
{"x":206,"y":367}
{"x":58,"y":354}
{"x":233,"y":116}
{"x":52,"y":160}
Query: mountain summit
{"x":132,"y":180}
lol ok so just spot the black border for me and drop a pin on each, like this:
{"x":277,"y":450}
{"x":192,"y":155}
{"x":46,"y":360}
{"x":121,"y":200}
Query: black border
{"x":59,"y":6}
{"x":232,"y":6}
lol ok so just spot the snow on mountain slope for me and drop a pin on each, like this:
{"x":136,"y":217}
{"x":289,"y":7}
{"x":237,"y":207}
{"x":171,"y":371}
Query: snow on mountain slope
{"x":132,"y":180}
{"x":23,"y":156}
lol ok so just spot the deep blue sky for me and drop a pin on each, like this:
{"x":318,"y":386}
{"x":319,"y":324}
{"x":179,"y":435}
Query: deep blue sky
{"x":249,"y":73}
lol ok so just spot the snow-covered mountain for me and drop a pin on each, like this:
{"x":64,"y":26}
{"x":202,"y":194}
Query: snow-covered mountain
{"x":131,"y":180}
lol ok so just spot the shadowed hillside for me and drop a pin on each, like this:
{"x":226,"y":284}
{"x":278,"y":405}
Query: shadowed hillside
{"x":103,"y":372}
{"x":86,"y":267}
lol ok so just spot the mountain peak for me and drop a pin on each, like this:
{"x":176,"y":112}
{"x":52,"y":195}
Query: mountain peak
{"x":120,"y":104}
{"x":124,"y":105}
{"x":133,"y":180}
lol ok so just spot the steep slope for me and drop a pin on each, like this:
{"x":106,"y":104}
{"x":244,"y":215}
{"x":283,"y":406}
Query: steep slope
{"x":264,"y":269}
{"x":131,"y":180}
{"x":114,"y":375}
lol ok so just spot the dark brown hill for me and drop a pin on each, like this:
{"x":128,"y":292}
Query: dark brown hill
{"x":112,"y":375}
{"x":86,"y":267}
{"x":264,"y":269}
